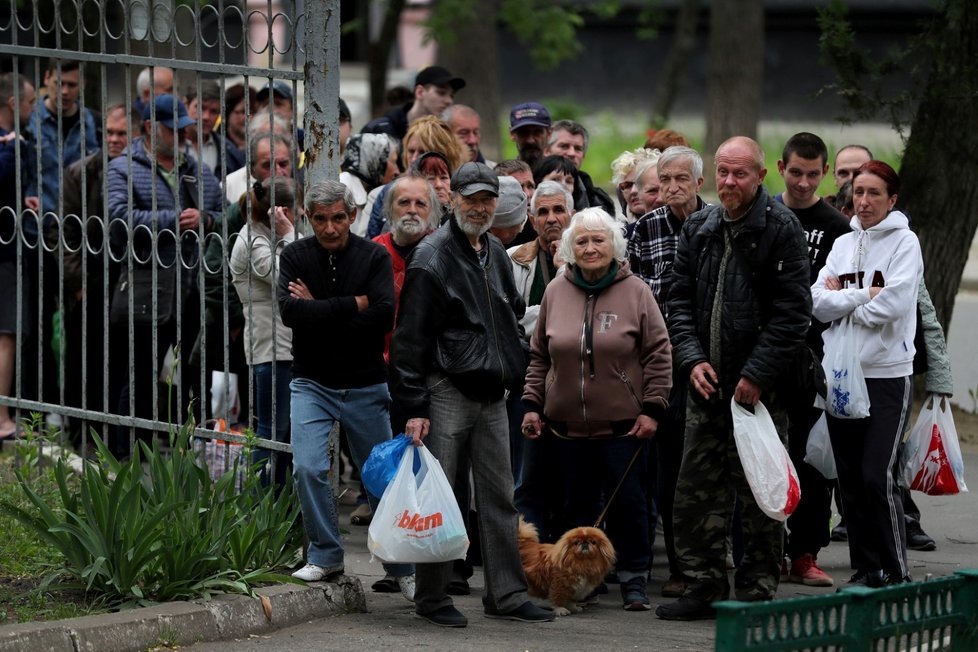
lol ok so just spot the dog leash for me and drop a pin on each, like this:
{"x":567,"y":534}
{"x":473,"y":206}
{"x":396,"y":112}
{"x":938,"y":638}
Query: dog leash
{"x":614,"y":493}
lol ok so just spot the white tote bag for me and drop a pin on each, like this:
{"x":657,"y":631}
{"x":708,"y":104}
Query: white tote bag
{"x":818,"y":450}
{"x":772,"y":477}
{"x":418,"y":520}
{"x":847,"y":396}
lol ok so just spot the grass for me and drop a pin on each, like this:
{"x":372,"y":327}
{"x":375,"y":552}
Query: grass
{"x":612,"y":134}
{"x":25,"y":558}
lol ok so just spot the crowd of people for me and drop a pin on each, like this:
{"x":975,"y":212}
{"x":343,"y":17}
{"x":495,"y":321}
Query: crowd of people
{"x":567,"y":355}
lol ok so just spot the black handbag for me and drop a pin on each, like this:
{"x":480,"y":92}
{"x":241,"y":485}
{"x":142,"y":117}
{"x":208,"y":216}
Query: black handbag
{"x":143,"y":293}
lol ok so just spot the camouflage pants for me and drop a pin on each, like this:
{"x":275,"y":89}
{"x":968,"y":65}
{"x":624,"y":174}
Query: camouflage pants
{"x":710,"y":478}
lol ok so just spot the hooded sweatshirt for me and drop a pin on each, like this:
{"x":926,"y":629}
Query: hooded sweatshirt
{"x":886,"y":255}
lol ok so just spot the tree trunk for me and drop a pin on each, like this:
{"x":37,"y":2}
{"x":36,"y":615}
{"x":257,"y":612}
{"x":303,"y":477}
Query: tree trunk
{"x":683,"y":44}
{"x":938,"y":176}
{"x":379,"y":54}
{"x":734,"y":75}
{"x":473,"y":55}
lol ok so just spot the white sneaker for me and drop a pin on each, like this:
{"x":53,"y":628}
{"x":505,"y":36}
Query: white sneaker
{"x":314,"y":573}
{"x":406,"y":584}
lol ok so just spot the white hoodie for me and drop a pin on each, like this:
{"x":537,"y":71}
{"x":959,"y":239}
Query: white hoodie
{"x":887,"y":254}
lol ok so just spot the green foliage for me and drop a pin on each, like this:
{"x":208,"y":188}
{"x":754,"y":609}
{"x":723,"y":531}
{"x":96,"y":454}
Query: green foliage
{"x":130,"y":535}
{"x":861,"y":75}
{"x":549,"y":31}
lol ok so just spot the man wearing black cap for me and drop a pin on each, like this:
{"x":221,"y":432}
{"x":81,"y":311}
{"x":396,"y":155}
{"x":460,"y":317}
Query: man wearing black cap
{"x":529,"y":127}
{"x":455,"y":352}
{"x":282,"y":102}
{"x":434,"y":90}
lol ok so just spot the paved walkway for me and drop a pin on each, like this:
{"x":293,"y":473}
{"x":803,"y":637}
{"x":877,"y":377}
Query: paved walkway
{"x":390,"y":623}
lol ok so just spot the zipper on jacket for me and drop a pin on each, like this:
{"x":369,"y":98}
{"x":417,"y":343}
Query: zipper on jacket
{"x":631,"y":390}
{"x":587,"y":349}
{"x":495,"y":332}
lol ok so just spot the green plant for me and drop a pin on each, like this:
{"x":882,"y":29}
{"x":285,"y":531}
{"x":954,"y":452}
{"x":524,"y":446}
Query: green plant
{"x":132,"y":537}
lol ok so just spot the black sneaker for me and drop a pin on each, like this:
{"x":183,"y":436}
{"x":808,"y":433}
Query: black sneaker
{"x":917,"y":539}
{"x":840,"y":533}
{"x":633,"y":594}
{"x":891,"y":579}
{"x":447,"y":616}
{"x":870,"y":579}
{"x":686,"y":608}
{"x":525,"y":613}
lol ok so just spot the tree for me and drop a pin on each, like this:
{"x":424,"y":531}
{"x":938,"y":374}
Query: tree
{"x":938,"y":177}
{"x":683,"y":44}
{"x":734,"y":75}
{"x":380,"y":53}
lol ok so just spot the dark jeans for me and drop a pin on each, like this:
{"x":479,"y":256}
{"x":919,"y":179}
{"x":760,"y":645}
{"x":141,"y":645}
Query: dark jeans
{"x":669,"y":457}
{"x":592,"y":470}
{"x":278,"y":416}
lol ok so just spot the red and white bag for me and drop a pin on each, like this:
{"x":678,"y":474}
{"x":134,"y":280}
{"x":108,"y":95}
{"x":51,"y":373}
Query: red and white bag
{"x":932,"y":460}
{"x":772,"y":477}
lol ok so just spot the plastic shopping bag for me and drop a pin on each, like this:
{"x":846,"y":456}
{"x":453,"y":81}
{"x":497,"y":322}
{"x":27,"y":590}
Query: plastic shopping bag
{"x":818,"y":450}
{"x":418,"y":519}
{"x":847,"y":395}
{"x":382,"y":464}
{"x":770,"y":473}
{"x":931,"y":455}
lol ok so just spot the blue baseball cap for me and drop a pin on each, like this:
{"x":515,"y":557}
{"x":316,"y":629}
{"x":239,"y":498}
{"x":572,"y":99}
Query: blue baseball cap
{"x":164,"y":112}
{"x":529,"y":113}
{"x":279,"y":87}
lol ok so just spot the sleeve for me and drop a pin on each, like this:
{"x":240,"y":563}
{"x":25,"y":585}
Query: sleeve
{"x":789,"y":269}
{"x":379,"y":315}
{"x":536,"y":373}
{"x":938,"y":378}
{"x":655,"y":356}
{"x":420,"y":318}
{"x":72,"y":228}
{"x":687,"y":349}
{"x":830,"y":305}
{"x":899,"y":295}
{"x":297,"y":313}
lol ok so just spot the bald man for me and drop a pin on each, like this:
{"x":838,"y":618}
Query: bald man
{"x":738,"y":313}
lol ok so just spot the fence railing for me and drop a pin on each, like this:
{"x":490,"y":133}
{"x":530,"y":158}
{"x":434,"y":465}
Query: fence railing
{"x":940,"y":614}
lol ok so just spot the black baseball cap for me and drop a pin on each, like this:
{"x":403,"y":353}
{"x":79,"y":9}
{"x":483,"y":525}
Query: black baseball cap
{"x":473,"y":177}
{"x":439,"y":77}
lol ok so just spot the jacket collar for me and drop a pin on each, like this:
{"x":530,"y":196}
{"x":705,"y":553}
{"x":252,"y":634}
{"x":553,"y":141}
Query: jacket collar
{"x":526,"y":253}
{"x":462,"y":241}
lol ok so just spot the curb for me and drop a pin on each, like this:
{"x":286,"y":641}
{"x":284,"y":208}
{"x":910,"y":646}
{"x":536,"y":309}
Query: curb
{"x":185,"y":623}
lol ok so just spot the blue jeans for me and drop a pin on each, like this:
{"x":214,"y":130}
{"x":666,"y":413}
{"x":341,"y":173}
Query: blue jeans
{"x":282,"y":373}
{"x":363,"y":412}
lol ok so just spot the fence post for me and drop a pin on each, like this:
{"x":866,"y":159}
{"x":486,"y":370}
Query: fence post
{"x":966,"y":602}
{"x":322,"y":90}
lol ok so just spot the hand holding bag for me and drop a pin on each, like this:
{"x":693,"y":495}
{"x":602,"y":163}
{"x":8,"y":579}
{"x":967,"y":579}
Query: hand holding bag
{"x":932,"y":460}
{"x":847,"y":395}
{"x":418,"y":520}
{"x":770,"y":473}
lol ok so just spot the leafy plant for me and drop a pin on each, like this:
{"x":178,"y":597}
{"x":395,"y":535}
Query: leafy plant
{"x":129,"y":536}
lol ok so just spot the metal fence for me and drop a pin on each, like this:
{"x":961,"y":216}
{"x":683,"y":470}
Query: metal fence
{"x":125,"y":316}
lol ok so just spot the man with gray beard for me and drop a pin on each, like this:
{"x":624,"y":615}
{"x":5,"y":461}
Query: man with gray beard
{"x":455,"y":352}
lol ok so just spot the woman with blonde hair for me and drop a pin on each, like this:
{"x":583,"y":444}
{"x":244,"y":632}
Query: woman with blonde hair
{"x":427,"y":134}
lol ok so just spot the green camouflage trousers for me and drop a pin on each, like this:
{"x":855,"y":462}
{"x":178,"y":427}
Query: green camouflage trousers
{"x":710,"y":478}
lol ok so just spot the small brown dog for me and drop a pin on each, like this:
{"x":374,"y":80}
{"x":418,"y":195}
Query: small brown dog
{"x":567,"y":571}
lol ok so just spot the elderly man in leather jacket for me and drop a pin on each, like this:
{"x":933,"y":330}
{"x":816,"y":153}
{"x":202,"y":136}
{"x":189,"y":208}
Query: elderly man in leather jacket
{"x":739,"y":309}
{"x":455,"y":351}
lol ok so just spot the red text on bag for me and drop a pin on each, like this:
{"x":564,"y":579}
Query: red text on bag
{"x":419,"y":523}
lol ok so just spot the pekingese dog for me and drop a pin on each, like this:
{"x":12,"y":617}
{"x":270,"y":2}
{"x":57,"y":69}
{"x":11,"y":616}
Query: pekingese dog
{"x":567,"y":571}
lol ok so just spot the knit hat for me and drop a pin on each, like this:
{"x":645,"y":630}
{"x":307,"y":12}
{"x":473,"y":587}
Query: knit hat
{"x":511,"y":205}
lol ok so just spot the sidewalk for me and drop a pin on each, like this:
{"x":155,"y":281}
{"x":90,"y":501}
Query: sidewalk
{"x":317,"y":618}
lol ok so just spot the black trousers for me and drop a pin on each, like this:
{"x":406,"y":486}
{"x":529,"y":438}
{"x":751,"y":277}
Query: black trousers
{"x":808,"y":525}
{"x":866,"y":458}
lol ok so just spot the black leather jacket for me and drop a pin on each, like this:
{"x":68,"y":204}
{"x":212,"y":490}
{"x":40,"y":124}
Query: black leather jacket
{"x":767,"y":301}
{"x":458,"y":318}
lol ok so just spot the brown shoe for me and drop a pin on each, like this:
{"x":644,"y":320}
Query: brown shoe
{"x":361,"y":515}
{"x":674,"y":587}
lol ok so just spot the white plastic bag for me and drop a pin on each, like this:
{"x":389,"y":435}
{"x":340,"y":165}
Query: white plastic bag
{"x":847,"y":396}
{"x":770,"y":473}
{"x":932,"y":460}
{"x":818,"y":450}
{"x":418,"y":519}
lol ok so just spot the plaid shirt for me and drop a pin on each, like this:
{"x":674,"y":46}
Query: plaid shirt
{"x":652,"y":249}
